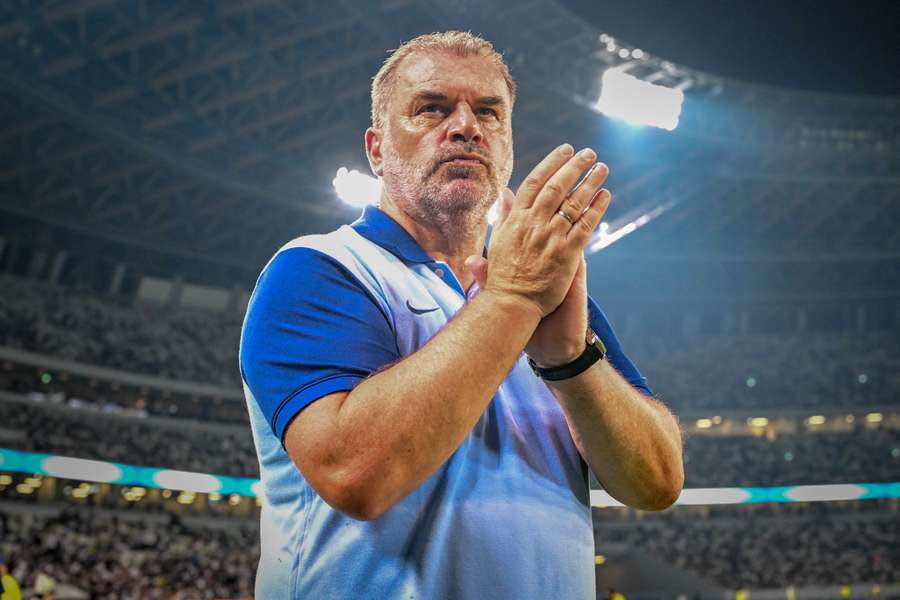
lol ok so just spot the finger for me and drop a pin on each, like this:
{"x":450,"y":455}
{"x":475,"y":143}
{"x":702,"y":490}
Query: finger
{"x":506,"y":203}
{"x":580,"y":198}
{"x":557,"y":187}
{"x":584,"y":227}
{"x":534,"y":182}
{"x":478,"y":265}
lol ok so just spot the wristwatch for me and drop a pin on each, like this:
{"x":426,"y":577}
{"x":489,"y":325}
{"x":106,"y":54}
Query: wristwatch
{"x":594,"y":352}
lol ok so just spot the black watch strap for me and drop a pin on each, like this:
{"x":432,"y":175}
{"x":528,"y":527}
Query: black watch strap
{"x":594,"y":352}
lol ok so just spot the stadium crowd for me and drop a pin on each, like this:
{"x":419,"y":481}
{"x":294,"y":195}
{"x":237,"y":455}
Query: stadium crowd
{"x":757,"y":371}
{"x":779,"y":546}
{"x":182,"y":344}
{"x":863,"y":455}
{"x":128,"y":555}
{"x":114,"y":558}
{"x":719,"y":371}
{"x":223,"y":450}
{"x":866,"y":454}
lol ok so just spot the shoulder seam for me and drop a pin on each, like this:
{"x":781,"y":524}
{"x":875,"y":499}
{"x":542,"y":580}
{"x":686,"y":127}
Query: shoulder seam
{"x":348,"y":274}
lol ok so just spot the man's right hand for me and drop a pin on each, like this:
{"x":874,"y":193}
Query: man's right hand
{"x":534,"y":252}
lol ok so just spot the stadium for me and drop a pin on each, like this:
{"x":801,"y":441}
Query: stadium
{"x":155,"y":155}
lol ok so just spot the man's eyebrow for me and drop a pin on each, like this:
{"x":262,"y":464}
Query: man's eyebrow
{"x":490,"y":100}
{"x":429,"y":96}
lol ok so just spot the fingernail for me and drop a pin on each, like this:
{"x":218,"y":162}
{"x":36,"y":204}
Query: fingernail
{"x":602,"y":195}
{"x":567,"y":149}
{"x":587,"y":153}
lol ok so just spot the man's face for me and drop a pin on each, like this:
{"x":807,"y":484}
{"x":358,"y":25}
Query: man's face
{"x":447,"y":137}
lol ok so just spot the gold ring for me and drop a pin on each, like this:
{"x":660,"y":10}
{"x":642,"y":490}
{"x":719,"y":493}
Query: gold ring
{"x":563,"y":214}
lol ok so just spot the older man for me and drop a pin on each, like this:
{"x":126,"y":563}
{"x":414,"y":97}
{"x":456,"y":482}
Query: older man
{"x":425,"y":410}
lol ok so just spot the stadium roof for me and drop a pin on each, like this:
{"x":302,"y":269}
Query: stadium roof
{"x":210,"y":131}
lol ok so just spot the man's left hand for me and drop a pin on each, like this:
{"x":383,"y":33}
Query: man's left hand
{"x":560,"y":337}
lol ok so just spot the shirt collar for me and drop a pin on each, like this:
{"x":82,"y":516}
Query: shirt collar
{"x":376,"y":226}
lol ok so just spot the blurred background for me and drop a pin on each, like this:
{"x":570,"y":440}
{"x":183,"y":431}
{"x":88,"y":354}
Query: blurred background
{"x":155,"y":153}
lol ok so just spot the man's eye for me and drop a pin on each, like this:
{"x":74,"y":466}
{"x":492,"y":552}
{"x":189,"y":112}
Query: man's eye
{"x":430,"y":108}
{"x":487,"y":111}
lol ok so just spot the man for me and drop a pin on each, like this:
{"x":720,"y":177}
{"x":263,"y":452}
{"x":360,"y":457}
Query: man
{"x":406,"y":446}
{"x":8,"y":584}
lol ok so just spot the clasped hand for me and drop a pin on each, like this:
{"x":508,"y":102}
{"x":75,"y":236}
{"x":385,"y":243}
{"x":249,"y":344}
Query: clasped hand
{"x":536,"y":254}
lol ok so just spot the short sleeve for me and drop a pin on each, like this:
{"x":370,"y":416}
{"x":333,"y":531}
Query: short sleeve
{"x":311,"y":329}
{"x":614,"y":353}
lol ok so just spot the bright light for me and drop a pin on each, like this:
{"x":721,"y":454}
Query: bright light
{"x":704,"y":423}
{"x":599,"y":559}
{"x":355,"y":188}
{"x":820,"y":493}
{"x":602,"y":499}
{"x":605,"y":237}
{"x":863,"y":378}
{"x":624,"y":53}
{"x":637,"y":53}
{"x":751,"y":382}
{"x":816,"y":420}
{"x":187,"y":481}
{"x":713,"y":496}
{"x":639,"y":102}
{"x":494,"y":212}
{"x":874,"y":417}
{"x":758,"y":422}
{"x":80,"y":468}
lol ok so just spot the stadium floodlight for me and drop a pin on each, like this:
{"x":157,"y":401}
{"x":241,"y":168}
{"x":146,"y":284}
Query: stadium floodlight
{"x":355,"y":188}
{"x":639,"y":102}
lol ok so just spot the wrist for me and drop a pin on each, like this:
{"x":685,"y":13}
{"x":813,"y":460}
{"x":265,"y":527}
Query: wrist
{"x":593,"y":351}
{"x":557,"y":360}
{"x":525,"y":311}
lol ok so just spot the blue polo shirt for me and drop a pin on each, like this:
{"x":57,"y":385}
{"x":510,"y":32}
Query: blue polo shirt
{"x":507,"y":516}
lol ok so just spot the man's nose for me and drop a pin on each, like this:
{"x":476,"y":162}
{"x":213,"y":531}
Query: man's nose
{"x":463,"y":125}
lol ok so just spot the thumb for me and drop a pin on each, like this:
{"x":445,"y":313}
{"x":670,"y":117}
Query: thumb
{"x":506,"y":202}
{"x":478,"y":265}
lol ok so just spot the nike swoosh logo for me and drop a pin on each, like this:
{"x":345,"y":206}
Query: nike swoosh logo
{"x":419,"y":311}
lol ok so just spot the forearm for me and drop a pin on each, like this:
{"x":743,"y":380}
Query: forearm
{"x":399,"y":426}
{"x":631,"y":442}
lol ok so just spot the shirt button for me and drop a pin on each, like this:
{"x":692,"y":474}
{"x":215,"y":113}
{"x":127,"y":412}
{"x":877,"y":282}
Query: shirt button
{"x":439,"y":272}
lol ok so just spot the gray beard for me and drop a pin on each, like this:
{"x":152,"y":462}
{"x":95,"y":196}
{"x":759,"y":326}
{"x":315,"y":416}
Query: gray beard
{"x":458,"y":219}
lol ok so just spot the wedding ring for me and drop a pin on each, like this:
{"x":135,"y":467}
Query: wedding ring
{"x":563,"y":214}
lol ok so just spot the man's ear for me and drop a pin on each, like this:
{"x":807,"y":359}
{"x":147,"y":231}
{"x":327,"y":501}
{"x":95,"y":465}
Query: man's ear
{"x":373,"y":150}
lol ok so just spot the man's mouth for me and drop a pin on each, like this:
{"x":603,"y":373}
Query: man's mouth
{"x":465,"y":162}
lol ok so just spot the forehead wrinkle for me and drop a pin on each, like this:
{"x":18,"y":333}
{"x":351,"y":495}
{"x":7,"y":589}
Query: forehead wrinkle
{"x":427,"y":64}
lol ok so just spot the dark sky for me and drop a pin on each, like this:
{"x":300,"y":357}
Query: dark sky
{"x":850,"y":46}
